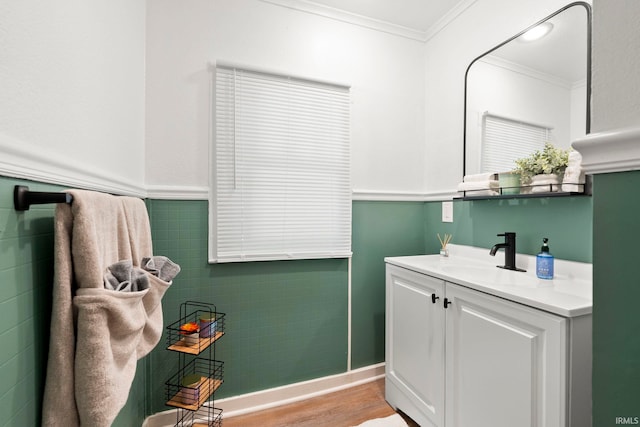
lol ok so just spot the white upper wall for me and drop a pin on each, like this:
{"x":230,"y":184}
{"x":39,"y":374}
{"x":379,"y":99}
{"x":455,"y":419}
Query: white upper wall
{"x":616,"y":82}
{"x":448,"y":54}
{"x":386,"y":73}
{"x":72,"y":90}
{"x":613,"y":145}
{"x":72,"y":79}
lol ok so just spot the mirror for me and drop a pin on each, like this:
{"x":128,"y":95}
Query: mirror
{"x":543,"y":83}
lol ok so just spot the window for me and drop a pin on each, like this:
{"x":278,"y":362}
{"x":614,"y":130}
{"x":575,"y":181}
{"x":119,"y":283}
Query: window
{"x":506,"y":140}
{"x":281,"y":168}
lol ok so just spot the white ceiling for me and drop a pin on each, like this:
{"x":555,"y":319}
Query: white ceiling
{"x":558,"y":55}
{"x":562,"y":53}
{"x":420,"y":15}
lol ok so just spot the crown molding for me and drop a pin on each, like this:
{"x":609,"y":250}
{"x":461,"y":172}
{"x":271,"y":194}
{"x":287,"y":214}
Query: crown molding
{"x":448,"y":17}
{"x":314,"y":8}
{"x":615,"y":150}
{"x":350,"y":18}
{"x":529,"y":72}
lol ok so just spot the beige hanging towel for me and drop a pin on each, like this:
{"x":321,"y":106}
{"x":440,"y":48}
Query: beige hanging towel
{"x":98,"y":334}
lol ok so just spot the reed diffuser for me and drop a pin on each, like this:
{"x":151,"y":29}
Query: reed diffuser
{"x":444,"y":242}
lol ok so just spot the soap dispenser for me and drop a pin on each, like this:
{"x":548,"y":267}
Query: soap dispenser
{"x":544,"y":262}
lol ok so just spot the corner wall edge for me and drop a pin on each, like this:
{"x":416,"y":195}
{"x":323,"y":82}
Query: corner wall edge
{"x":616,"y":150}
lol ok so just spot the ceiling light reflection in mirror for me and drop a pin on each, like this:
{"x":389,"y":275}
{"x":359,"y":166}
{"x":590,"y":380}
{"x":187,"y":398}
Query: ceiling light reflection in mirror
{"x":537,"y":32}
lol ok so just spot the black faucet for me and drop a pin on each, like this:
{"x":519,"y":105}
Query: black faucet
{"x":509,"y":246}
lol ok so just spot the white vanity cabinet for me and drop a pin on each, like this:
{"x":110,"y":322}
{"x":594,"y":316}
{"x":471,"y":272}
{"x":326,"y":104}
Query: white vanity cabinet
{"x":415,"y":345}
{"x":483,"y":361}
{"x":505,"y":362}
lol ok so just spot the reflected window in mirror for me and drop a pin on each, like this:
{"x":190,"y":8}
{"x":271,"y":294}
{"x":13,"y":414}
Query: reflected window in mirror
{"x":544,"y":83}
{"x":505,"y":140}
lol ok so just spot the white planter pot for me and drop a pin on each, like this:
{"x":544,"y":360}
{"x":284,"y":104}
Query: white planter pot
{"x":545,"y":183}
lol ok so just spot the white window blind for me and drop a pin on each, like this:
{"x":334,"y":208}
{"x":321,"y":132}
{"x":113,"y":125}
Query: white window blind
{"x":505,"y":140}
{"x":281,"y":168}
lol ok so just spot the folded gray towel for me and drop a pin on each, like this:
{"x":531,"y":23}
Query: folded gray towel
{"x":123,"y":276}
{"x":161,"y":267}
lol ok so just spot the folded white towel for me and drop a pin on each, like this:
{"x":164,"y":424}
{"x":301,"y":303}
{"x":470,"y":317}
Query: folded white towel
{"x":482,"y":193}
{"x":480,"y":177}
{"x":479,"y":185}
{"x":480,"y":188}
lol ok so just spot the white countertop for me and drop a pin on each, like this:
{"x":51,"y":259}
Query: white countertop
{"x":568,"y":294}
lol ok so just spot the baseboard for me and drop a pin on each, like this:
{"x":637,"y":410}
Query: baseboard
{"x":271,"y":398}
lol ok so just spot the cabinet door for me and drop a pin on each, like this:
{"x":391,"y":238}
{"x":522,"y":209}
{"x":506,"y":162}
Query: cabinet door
{"x":505,"y":363}
{"x":415,"y":345}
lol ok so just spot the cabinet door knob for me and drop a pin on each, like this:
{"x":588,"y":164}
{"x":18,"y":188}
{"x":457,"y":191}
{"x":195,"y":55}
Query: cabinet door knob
{"x":447,"y":302}
{"x":434,"y":298}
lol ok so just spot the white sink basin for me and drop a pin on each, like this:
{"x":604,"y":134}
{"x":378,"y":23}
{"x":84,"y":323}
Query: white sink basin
{"x":494,"y":275}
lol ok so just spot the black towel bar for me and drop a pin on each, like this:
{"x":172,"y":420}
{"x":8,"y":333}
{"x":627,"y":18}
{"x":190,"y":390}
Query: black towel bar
{"x":23,"y":198}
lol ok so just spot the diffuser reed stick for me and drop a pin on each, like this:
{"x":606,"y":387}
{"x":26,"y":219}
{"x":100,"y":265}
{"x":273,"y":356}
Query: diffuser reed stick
{"x":444,"y":242}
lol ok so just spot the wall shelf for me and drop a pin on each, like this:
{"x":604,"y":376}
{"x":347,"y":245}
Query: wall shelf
{"x":521,"y":196}
{"x":192,"y":398}
{"x":196,"y":348}
{"x":541,"y":191}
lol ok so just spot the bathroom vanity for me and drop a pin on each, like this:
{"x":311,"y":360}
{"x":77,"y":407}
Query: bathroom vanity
{"x":472,"y":345}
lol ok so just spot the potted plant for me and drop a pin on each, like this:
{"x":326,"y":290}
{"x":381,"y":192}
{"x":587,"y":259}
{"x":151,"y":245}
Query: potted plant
{"x":543,"y":169}
{"x":191,"y":333}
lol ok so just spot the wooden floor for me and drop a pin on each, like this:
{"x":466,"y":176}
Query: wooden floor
{"x":344,"y":408}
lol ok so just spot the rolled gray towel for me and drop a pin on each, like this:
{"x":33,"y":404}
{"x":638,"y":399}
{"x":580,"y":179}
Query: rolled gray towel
{"x":161,"y":267}
{"x":123,"y":276}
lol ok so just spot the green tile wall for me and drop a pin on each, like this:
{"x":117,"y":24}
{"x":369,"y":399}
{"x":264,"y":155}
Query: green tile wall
{"x":616,"y":292}
{"x":26,"y":278}
{"x":380,"y":229}
{"x":566,"y":221}
{"x":26,"y":269}
{"x":286,"y":321}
